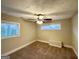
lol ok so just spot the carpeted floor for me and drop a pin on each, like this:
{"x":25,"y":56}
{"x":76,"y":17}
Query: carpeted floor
{"x":39,"y":50}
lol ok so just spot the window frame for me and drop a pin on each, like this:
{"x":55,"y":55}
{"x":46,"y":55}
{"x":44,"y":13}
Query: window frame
{"x":10,"y":22}
{"x":50,"y":25}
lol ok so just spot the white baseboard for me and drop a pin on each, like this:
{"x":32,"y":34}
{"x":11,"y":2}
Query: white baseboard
{"x":68,"y":46}
{"x":42,"y":41}
{"x":72,"y":49}
{"x":54,"y":43}
{"x":14,"y":50}
{"x":75,"y":52}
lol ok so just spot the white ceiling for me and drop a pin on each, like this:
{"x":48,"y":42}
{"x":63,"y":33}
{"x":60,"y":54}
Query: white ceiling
{"x":55,"y":8}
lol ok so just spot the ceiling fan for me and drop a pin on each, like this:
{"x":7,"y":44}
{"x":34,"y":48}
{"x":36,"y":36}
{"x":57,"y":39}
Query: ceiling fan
{"x":26,"y":15}
{"x":39,"y":18}
{"x":42,"y":18}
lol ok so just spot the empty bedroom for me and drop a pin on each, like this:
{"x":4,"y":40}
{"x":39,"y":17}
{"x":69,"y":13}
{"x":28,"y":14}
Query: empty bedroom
{"x":39,"y":29}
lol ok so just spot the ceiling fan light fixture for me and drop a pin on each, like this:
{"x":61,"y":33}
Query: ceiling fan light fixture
{"x":41,"y":17}
{"x":39,"y":22}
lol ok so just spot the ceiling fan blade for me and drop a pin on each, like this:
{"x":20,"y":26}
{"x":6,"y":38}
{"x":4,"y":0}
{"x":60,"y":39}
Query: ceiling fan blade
{"x":59,"y":17}
{"x":27,"y":19}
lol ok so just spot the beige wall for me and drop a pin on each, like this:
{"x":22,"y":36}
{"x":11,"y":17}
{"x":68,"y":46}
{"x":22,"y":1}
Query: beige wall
{"x":75,"y":32}
{"x":64,"y":35}
{"x":29,"y":31}
{"x":27,"y":34}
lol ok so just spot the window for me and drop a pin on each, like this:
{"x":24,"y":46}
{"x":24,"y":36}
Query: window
{"x":9,"y":30}
{"x":51,"y":27}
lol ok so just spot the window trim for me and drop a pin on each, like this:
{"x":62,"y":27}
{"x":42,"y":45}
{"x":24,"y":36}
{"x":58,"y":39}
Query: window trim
{"x":51,"y":29}
{"x":18,"y":35}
